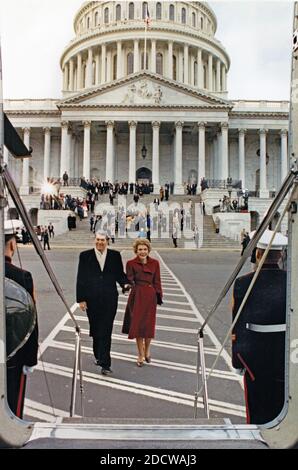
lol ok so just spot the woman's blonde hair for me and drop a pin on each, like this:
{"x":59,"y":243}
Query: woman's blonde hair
{"x":139,"y":242}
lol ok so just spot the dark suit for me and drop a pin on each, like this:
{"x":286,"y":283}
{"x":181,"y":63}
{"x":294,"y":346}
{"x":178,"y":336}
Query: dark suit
{"x":259,"y":351}
{"x":99,"y":290}
{"x":27,"y":355}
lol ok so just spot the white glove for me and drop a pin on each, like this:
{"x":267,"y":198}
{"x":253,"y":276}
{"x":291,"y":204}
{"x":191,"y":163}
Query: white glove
{"x":28,"y":370}
{"x":239,"y":371}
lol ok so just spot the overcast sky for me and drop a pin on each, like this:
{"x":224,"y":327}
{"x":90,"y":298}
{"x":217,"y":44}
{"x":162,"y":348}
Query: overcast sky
{"x":256,"y":35}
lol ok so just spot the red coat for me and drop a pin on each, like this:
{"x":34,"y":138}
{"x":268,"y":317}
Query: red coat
{"x":140,"y":314}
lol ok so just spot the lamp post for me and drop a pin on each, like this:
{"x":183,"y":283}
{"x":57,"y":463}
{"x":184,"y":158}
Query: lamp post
{"x":144,"y":148}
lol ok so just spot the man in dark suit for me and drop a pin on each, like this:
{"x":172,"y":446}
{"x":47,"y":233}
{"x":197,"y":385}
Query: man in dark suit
{"x":258,"y":338}
{"x":98,"y":272}
{"x":22,"y":363}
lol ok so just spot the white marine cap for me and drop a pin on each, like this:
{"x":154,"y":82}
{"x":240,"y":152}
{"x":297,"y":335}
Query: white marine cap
{"x":279,"y":241}
{"x":12,"y":226}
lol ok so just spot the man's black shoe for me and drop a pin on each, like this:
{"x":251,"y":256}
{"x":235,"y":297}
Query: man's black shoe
{"x":106,"y":371}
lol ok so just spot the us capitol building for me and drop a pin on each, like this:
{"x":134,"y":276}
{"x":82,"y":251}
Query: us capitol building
{"x":150,"y":106}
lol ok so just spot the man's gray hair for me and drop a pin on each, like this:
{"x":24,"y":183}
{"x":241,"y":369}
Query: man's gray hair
{"x":102,"y":233}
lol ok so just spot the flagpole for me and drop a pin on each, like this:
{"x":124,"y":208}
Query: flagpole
{"x":145,"y":47}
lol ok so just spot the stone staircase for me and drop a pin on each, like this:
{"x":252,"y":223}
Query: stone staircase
{"x":83,"y":237}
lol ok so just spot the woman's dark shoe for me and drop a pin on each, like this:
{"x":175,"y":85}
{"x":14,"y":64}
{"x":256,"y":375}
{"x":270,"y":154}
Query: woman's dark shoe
{"x":140,"y":363}
{"x":148,"y":359}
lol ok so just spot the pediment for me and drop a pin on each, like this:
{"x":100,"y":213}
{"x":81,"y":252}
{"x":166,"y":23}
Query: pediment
{"x":145,"y":89}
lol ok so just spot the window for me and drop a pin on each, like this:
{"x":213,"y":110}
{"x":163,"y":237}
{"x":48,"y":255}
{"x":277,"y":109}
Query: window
{"x":144,"y":10}
{"x":106,"y":15}
{"x":183,"y":15}
{"x":172,"y":13}
{"x":194,"y":22}
{"x":96,"y":19}
{"x":129,"y":63}
{"x":94,"y":73}
{"x":158,"y":11}
{"x":115,"y":67}
{"x":143,"y":67}
{"x":174,"y":68}
{"x":118,"y":12}
{"x":195,"y":74}
{"x":202,"y":23}
{"x":88,"y":22}
{"x":159,"y":63}
{"x":84,"y":75}
{"x":205,"y":77}
{"x":131,"y":11}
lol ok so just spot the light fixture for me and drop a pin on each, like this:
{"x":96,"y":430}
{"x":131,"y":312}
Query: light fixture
{"x":144,"y":148}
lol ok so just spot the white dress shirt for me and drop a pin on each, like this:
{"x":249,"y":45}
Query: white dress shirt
{"x":101,"y":258}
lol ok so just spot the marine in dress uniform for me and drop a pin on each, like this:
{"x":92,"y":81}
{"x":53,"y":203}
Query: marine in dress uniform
{"x":98,"y":273}
{"x":19,"y":365}
{"x":258,"y":338}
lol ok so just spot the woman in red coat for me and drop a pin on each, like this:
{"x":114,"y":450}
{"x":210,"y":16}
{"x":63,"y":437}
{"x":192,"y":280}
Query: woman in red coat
{"x":143,"y":273}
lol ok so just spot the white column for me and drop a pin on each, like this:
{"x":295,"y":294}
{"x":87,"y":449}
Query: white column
{"x":200,"y":70}
{"x":119,"y":59}
{"x":66,"y":77}
{"x":201,"y":151}
{"x":263,"y":169}
{"x":110,"y":151}
{"x":71,"y":75}
{"x":79,"y":71}
{"x":155,"y":156}
{"x":97,"y":69}
{"x":170,"y":59}
{"x":210,"y":72}
{"x":179,"y":189}
{"x":284,"y":154}
{"x":132,"y":151}
{"x":218,"y":67}
{"x":223,"y":78}
{"x":153,"y":55}
{"x":64,"y":147}
{"x":224,"y":151}
{"x":24,"y":190}
{"x":242,"y":133}
{"x":186,"y":62}
{"x":180,"y":66}
{"x":103,"y":63}
{"x":136,"y":56}
{"x":47,"y":152}
{"x":109,"y":66}
{"x":89,"y":70}
{"x":87,"y":149}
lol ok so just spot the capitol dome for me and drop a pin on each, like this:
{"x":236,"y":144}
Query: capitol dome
{"x":179,"y":44}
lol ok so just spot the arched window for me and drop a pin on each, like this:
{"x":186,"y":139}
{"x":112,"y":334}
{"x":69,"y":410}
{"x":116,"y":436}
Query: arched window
{"x":202,"y":23}
{"x":195,"y":73}
{"x":144,"y":10}
{"x":129,"y":63}
{"x":158,"y":11}
{"x":194,"y":22}
{"x":159,"y":63}
{"x":172,"y":13}
{"x":147,"y":62}
{"x":131,"y":11}
{"x":183,"y":15}
{"x":118,"y":12}
{"x":88,"y":22}
{"x":115,"y":67}
{"x":174,"y":68}
{"x":96,"y":19}
{"x":106,"y":15}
